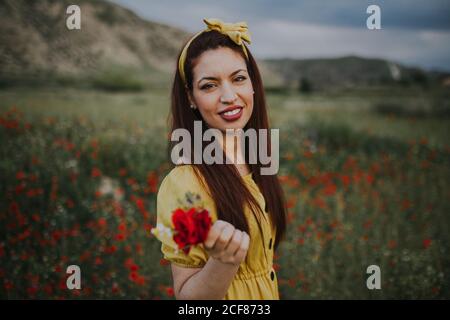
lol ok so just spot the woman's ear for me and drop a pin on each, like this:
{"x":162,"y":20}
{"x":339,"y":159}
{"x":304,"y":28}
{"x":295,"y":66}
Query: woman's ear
{"x":191,"y":98}
{"x":188,"y":93}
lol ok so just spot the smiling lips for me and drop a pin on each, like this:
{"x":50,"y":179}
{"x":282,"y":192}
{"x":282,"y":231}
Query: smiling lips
{"x":231,"y":113}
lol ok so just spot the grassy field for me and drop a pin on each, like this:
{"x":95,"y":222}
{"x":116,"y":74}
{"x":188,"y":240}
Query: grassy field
{"x":366,"y":174}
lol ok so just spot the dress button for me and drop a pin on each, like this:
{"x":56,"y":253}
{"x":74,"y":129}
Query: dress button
{"x":272,"y":275}
{"x":270,"y":244}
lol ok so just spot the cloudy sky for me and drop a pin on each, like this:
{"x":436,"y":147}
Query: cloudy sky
{"x":414,"y":32}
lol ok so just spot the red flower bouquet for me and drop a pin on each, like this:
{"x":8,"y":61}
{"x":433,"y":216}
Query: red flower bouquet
{"x":191,"y":227}
{"x":191,"y":224}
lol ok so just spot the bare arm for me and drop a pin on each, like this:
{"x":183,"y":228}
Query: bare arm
{"x":227,"y":248}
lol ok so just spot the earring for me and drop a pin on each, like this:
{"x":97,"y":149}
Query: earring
{"x":193,"y":106}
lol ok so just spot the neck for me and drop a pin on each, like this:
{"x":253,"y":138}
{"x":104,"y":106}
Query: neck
{"x":232,"y":146}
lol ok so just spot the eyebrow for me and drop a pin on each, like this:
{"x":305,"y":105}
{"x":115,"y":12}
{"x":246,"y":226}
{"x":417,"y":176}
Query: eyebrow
{"x":213,"y":78}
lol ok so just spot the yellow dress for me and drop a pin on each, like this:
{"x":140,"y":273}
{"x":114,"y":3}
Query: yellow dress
{"x":255,"y":278}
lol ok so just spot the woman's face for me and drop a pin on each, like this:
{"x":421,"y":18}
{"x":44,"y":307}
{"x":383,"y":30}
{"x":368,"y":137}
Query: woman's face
{"x":222,"y":89}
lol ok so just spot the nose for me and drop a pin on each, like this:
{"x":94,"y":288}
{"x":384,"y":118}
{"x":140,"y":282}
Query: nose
{"x":228,"y":95}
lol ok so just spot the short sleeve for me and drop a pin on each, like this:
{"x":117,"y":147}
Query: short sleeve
{"x":172,"y":191}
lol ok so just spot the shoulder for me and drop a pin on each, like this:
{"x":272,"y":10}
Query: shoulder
{"x":178,"y":175}
{"x":180,"y":179}
{"x":177,"y":188}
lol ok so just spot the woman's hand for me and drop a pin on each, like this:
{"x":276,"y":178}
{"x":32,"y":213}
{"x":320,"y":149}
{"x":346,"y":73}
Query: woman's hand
{"x":226,"y":243}
{"x":227,"y":248}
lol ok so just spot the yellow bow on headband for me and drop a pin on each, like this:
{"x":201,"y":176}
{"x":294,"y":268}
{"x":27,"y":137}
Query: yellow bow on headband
{"x":238,"y":32}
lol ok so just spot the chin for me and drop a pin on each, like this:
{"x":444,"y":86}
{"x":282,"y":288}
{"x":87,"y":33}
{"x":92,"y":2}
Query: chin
{"x":235,"y":126}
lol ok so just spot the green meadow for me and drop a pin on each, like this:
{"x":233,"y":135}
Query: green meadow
{"x":366,"y":175}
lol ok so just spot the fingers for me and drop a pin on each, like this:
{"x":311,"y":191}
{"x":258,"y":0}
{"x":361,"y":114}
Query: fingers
{"x":214,"y":233}
{"x":224,"y":238}
{"x":243,"y":248}
{"x":226,"y":243}
{"x":234,"y":243}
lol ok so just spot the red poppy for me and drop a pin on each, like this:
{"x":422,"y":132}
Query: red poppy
{"x":345,"y":180}
{"x":370,"y":178}
{"x":169,"y":291}
{"x":95,"y":173}
{"x":426,"y":243}
{"x":329,"y":189}
{"x":102,"y":222}
{"x":191,"y":226}
{"x":140,"y":204}
{"x":152,"y":181}
{"x":20,"y":175}
{"x":115,"y":288}
{"x":119,"y":237}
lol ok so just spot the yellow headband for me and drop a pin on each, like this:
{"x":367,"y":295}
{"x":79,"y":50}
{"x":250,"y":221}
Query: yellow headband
{"x":238,"y":32}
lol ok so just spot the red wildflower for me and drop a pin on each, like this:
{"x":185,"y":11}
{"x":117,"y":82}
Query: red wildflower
{"x":32,"y":291}
{"x":406,"y":204}
{"x":102,"y":222}
{"x":94,"y":143}
{"x":368,"y":224}
{"x":357,"y":176}
{"x":115,"y":288}
{"x":319,"y":202}
{"x":122,"y":226}
{"x":134,"y":267}
{"x":426,"y":243}
{"x":120,"y":237}
{"x":152,"y":181}
{"x":31,"y":193}
{"x":20,"y":175}
{"x":20,"y":188}
{"x":95,"y":173}
{"x":307,"y":154}
{"x":131,"y":181}
{"x":191,"y":227}
{"x":140,"y":204}
{"x":392,"y":244}
{"x":8,"y":285}
{"x":169,"y":291}
{"x":133,"y":276}
{"x":345,"y":180}
{"x":70,"y":203}
{"x":111,"y":249}
{"x":330,"y":189}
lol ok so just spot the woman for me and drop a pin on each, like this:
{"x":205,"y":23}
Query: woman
{"x":218,"y":83}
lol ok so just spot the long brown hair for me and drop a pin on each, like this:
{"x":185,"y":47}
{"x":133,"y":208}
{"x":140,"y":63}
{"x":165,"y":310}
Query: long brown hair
{"x":223,"y":181}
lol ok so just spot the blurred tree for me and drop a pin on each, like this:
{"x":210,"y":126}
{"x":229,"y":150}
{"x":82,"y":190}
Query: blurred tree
{"x":305,"y":85}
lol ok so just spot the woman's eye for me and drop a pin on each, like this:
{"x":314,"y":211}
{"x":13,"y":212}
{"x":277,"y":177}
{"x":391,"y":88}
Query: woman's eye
{"x":240,"y":78}
{"x":207,"y":86}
